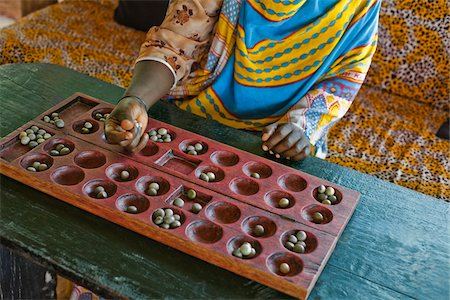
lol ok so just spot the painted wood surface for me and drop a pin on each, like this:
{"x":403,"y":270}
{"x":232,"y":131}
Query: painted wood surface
{"x":395,"y":246}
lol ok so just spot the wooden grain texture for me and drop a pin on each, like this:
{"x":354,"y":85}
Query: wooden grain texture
{"x":395,"y":246}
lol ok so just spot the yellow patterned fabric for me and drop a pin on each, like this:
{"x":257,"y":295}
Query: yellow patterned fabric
{"x":388,"y":132}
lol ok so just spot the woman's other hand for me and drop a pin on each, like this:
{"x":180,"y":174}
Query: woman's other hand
{"x":286,"y":140}
{"x":126,"y":124}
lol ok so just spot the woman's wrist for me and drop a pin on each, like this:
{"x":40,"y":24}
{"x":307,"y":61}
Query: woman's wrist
{"x":137,"y":99}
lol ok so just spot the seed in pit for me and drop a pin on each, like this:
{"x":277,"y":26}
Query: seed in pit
{"x":47,"y":136}
{"x":196,"y":208}
{"x":290,"y":245}
{"x":46,"y":119}
{"x":301,"y":235}
{"x":302,"y":243}
{"x":124,"y":175}
{"x":329,"y":191}
{"x":59,"y":123}
{"x":152,"y":192}
{"x":255,"y":175}
{"x":64,"y":151}
{"x":154,"y":185}
{"x":211,"y":176}
{"x":34,"y":128}
{"x":40,"y":141}
{"x":154,"y":138}
{"x":84,"y":130}
{"x":102,"y":195}
{"x":191,"y":194}
{"x":25,"y":140}
{"x":132,"y":209}
{"x":99,"y":189}
{"x":177,"y":217}
{"x":55,"y":114}
{"x":321,"y":189}
{"x":245,"y":248}
{"x":178,"y":202}
{"x":32,"y":144}
{"x":322,"y":197}
{"x":299,"y":248}
{"x":152,"y":132}
{"x":167,"y":140}
{"x":159,"y":220}
{"x":32,"y":136}
{"x":192,"y":152}
{"x":198,"y":147}
{"x":41,"y":131}
{"x":22,"y":134}
{"x":284,"y":202}
{"x":59,"y":147}
{"x":29,"y":131}
{"x":36,"y":164}
{"x":190,"y":148}
{"x":162,"y":131}
{"x":332,"y":198}
{"x":39,"y":136}
{"x":326,"y":202}
{"x":42,"y":167}
{"x":237,"y":253}
{"x":285,"y":268}
{"x":88,"y":125}
{"x":169,"y":219}
{"x":317,"y":217}
{"x":252,"y":253}
{"x":159,"y":213}
{"x":293,"y":239}
{"x":258,"y":230}
{"x":31,"y":169}
{"x":175,"y":224}
{"x":168,"y":212}
{"x":204,"y":177}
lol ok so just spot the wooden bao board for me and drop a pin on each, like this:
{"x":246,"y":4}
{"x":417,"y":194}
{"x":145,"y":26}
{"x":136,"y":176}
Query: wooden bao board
{"x":232,"y":205}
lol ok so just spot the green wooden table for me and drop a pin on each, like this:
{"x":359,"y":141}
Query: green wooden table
{"x":395,"y":246}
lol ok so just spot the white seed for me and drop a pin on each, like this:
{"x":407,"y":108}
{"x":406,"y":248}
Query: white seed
{"x":284,"y":202}
{"x":321,"y":189}
{"x":124,"y":175}
{"x":59,"y":147}
{"x":25,"y":140}
{"x":31,"y":169}
{"x":285,"y":268}
{"x":47,"y":136}
{"x":255,"y":175}
{"x":41,"y":131}
{"x":132,"y":209}
{"x":46,"y":119}
{"x":152,"y":192}
{"x":246,"y":248}
{"x":165,"y":226}
{"x":64,"y":151}
{"x":88,"y":125}
{"x":158,"y":220}
{"x":258,"y":230}
{"x":32,"y":136}
{"x":167,"y":140}
{"x":32,"y":144}
{"x":159,"y":213}
{"x":299,"y":248}
{"x":169,"y":219}
{"x":102,"y":195}
{"x":152,"y":132}
{"x":293,"y":239}
{"x":55,"y":114}
{"x":54,"y":152}
{"x":59,"y":123}
{"x":40,"y":141}
{"x":34,"y":128}
{"x":301,"y":235}
{"x":177,"y":217}
{"x":154,"y":138}
{"x":175,"y":224}
{"x":36,"y":164}
{"x":192,"y":152}
{"x":204,"y":177}
{"x":22,"y":134}
{"x":190,"y":148}
{"x":168,"y":212}
{"x":154,"y":185}
{"x":252,"y":253}
{"x":191,"y":194}
{"x":211,"y":176}
{"x":162,"y":131}
{"x":196,"y":208}
{"x":198,"y":147}
{"x":329,"y":191}
{"x":237,"y":253}
{"x":99,"y":189}
{"x":302,"y":243}
{"x":84,"y":130}
{"x":178,"y":202}
{"x":290,"y":245}
{"x":29,"y":131}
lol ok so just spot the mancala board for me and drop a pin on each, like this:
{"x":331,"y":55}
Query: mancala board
{"x":232,"y":204}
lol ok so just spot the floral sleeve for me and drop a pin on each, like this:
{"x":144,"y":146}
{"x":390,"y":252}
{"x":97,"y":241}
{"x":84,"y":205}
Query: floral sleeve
{"x":183,"y":38}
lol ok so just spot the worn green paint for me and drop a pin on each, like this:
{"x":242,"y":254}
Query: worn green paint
{"x":395,"y":246}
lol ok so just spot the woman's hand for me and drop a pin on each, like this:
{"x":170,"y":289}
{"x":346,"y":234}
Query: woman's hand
{"x":126,"y":124}
{"x":286,"y":140}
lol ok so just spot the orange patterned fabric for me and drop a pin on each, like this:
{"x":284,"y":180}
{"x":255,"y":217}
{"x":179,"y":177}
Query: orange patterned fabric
{"x":386,"y":135}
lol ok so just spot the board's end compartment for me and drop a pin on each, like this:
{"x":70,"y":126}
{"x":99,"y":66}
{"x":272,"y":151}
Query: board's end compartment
{"x":178,"y":162}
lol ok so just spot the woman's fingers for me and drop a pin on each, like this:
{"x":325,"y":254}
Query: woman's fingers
{"x":280,"y":133}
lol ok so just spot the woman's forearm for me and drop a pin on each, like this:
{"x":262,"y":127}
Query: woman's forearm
{"x":151,"y":80}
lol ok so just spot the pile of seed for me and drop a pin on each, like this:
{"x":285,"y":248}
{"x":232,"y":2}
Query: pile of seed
{"x":60,"y":149}
{"x":161,"y":135}
{"x":317,"y":217}
{"x":284,"y":202}
{"x":153,"y":189}
{"x":245,"y":251}
{"x":124,"y":175}
{"x":208,"y":176}
{"x":55,"y":120}
{"x":255,"y":175}
{"x":101,"y":117}
{"x":326,"y":194}
{"x":37,"y":167}
{"x":297,"y":242}
{"x":87,"y":126}
{"x":258,"y":230}
{"x":100,"y":192}
{"x":285,"y":268}
{"x":194,"y":149}
{"x":165,"y":218}
{"x":33,"y":136}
